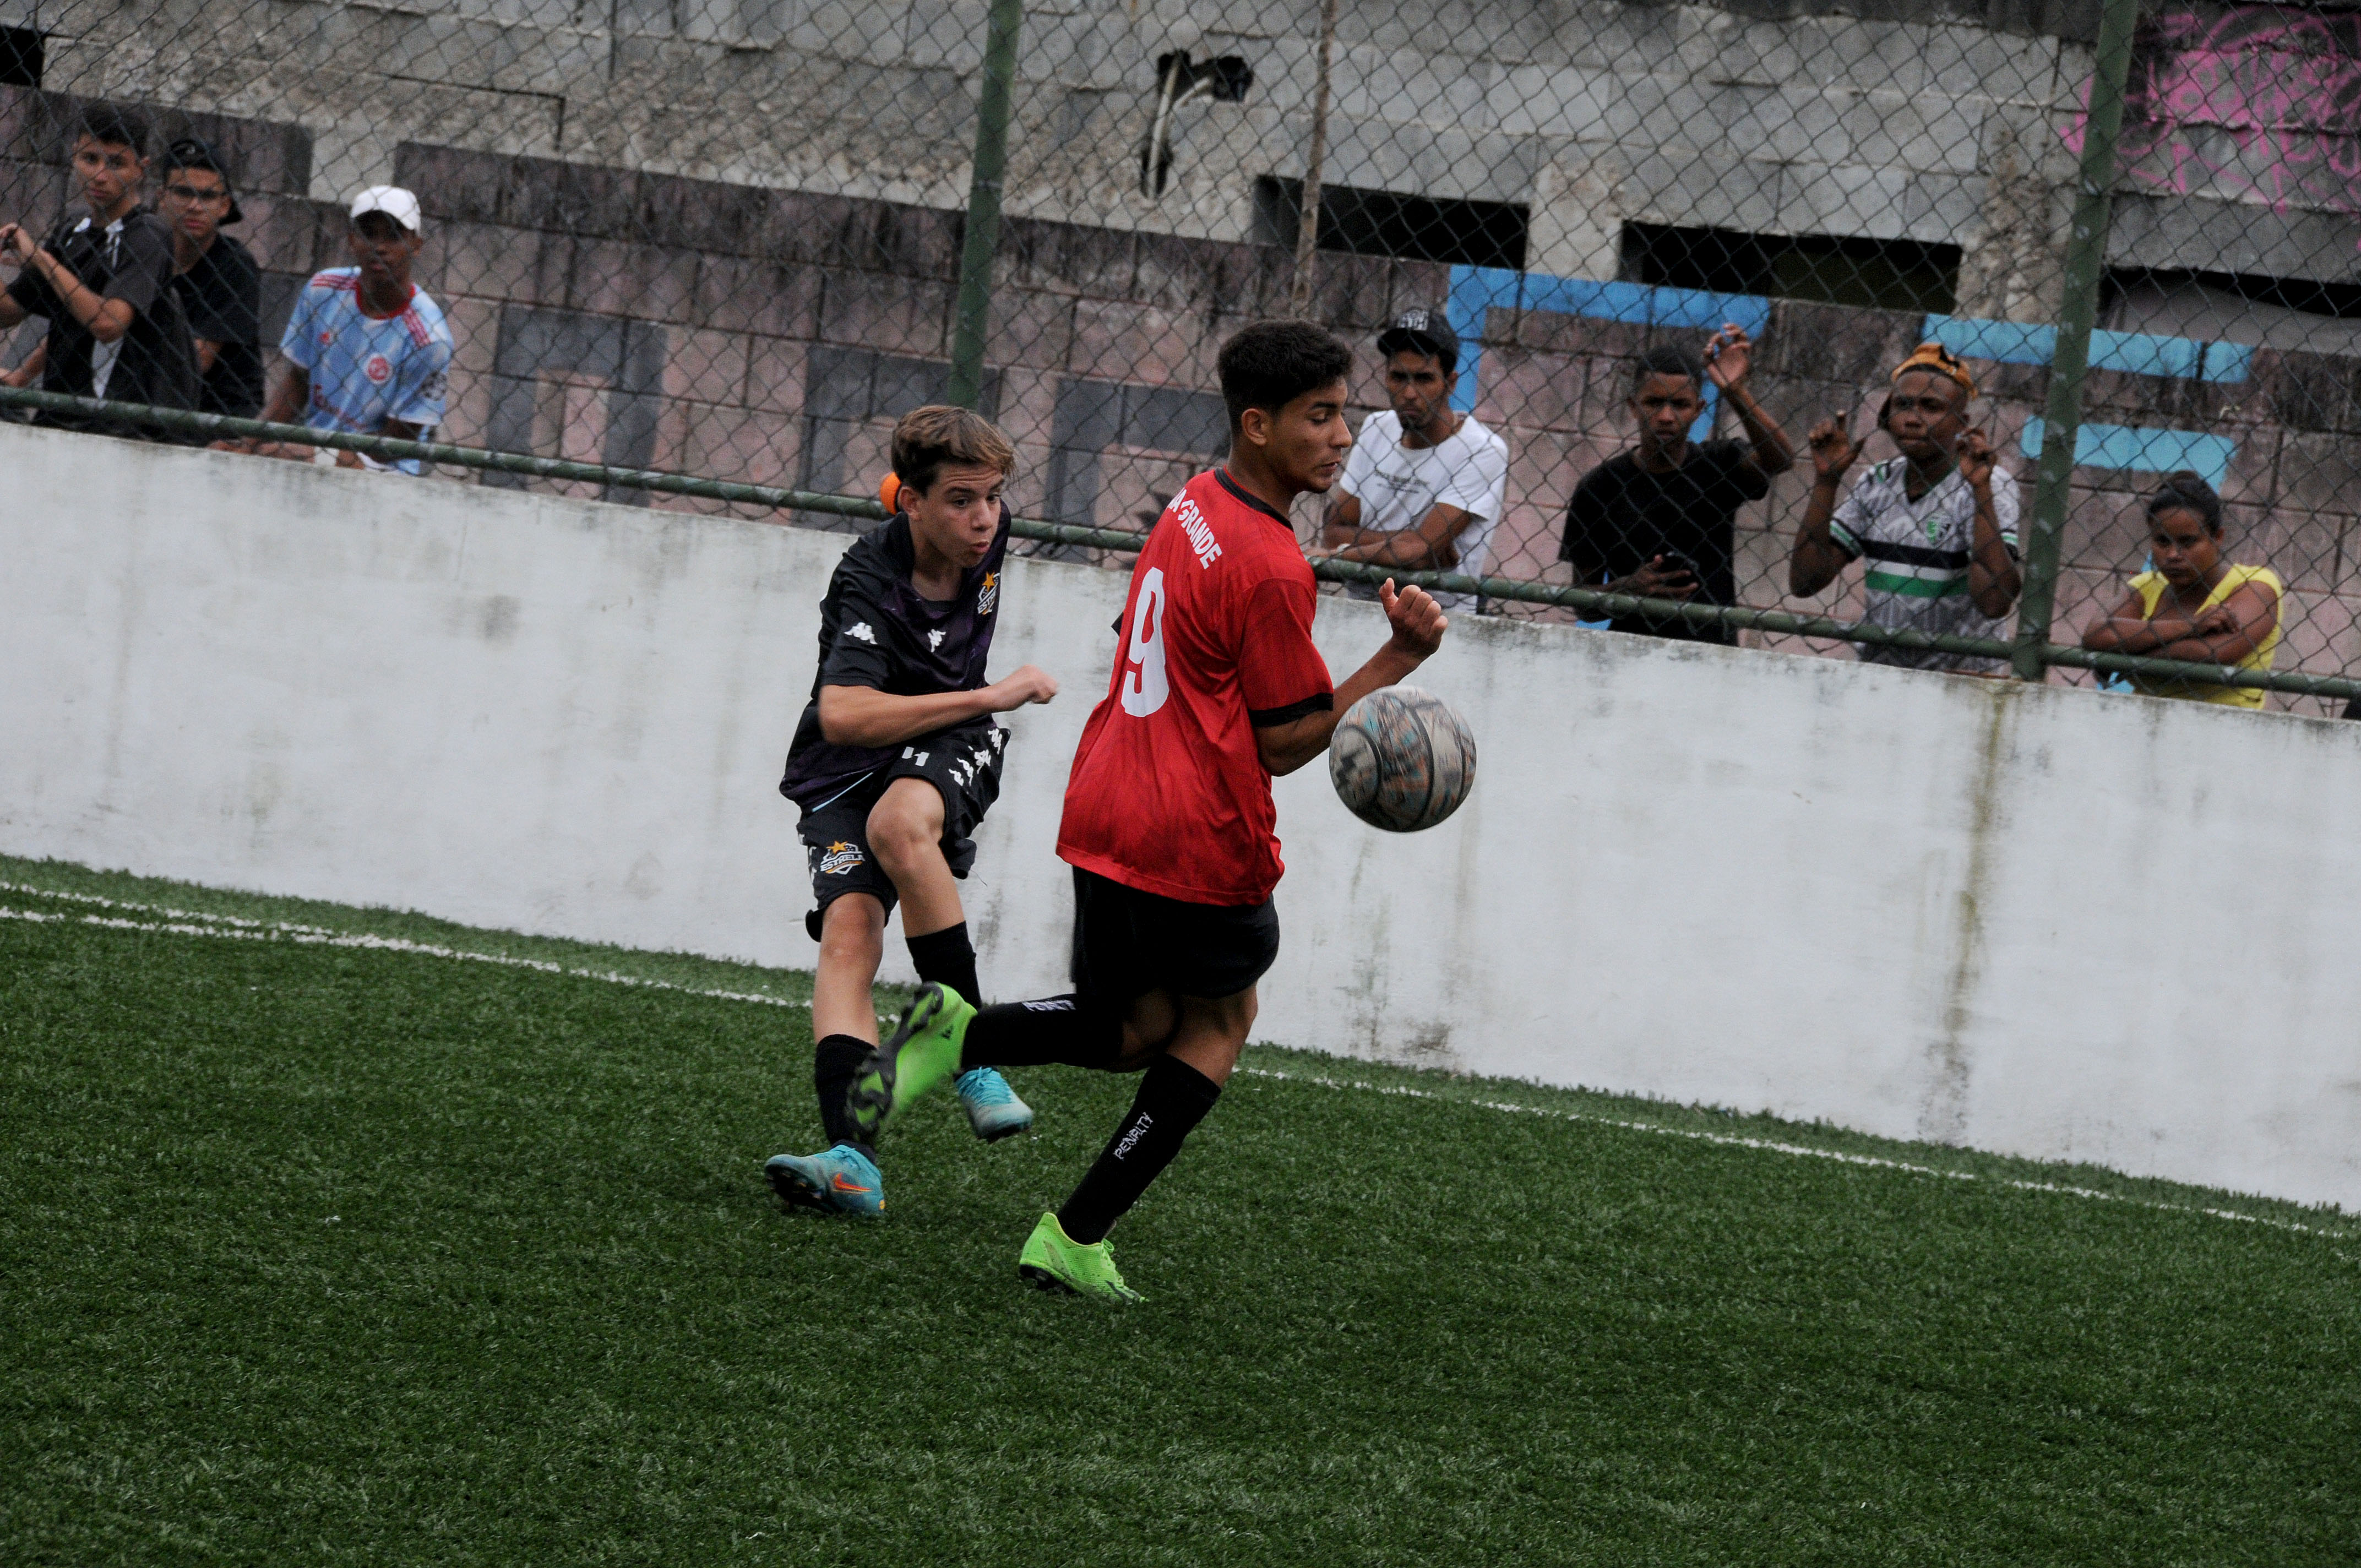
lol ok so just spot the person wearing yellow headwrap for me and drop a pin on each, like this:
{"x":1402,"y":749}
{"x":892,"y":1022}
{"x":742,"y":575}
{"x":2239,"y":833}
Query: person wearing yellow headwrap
{"x":1936,"y":526}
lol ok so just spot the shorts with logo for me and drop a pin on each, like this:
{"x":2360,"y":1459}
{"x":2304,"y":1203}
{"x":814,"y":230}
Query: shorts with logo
{"x":963,"y":764}
{"x":1128,"y":943}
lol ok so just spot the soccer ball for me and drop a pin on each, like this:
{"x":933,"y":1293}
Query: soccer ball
{"x":1401,"y":760}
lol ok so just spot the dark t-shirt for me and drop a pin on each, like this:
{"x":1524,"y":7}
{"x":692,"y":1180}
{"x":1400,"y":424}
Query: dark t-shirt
{"x":154,"y":361}
{"x":876,"y":632}
{"x":222,"y":297}
{"x":1620,"y":517}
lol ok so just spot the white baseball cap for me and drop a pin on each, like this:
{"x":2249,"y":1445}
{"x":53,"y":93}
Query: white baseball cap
{"x":392,"y":201}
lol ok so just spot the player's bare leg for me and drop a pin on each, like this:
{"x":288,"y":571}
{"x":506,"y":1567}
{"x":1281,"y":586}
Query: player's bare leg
{"x":852,"y":946}
{"x":905,"y":833}
{"x":844,"y":1178}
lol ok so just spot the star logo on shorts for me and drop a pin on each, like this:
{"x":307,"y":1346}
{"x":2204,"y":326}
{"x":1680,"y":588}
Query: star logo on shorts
{"x":840,"y":858}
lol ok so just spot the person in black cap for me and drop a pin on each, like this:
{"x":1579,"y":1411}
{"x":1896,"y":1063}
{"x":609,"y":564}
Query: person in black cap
{"x":219,"y":284}
{"x":1423,"y":484}
{"x":215,"y":278}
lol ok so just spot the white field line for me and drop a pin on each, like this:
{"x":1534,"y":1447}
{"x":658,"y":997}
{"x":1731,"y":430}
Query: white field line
{"x":186,"y":923}
{"x":1733,"y":1140}
{"x":190,"y":923}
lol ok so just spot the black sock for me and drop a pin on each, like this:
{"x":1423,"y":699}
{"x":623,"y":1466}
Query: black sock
{"x":948,"y":958}
{"x":1055,"y":1029}
{"x":1173,"y":1098}
{"x":836,"y":1062}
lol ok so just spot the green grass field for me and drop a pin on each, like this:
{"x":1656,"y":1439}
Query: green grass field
{"x":320,"y":1252}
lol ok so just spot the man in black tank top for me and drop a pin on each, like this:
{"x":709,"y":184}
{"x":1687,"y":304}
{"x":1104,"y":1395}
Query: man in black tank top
{"x":894,"y":761}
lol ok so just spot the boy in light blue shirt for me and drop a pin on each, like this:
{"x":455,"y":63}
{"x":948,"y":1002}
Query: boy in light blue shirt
{"x":368,"y":350}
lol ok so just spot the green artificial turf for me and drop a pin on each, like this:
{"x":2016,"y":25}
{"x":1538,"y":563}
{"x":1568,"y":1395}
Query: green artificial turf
{"x":335,"y":1254}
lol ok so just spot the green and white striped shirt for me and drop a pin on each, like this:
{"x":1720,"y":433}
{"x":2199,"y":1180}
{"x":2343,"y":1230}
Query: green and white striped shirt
{"x":1918,"y":558}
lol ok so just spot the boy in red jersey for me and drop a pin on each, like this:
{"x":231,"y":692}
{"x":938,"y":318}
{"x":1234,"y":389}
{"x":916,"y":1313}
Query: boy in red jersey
{"x":1169,"y":817}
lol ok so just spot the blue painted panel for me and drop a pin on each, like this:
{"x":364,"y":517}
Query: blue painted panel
{"x":2137,"y":353}
{"x":1476,"y":290}
{"x":2143,"y":450}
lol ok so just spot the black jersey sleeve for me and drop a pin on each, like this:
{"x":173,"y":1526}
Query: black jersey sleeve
{"x":861,"y":653}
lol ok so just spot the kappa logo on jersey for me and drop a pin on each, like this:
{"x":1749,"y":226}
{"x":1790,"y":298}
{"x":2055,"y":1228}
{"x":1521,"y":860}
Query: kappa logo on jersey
{"x":838,"y":858}
{"x":1200,"y":531}
{"x":860,"y":630}
{"x":378,"y":368}
{"x":934,"y":640}
{"x":989,"y":595}
{"x":1144,"y":684}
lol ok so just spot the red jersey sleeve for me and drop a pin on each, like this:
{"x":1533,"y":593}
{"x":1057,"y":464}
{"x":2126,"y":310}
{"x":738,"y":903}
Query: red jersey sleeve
{"x":1280,"y":671}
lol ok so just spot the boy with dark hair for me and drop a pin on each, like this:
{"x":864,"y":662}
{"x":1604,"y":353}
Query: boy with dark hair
{"x":1169,"y":817}
{"x":894,"y":764}
{"x":215,"y":278}
{"x":1660,"y":521}
{"x":219,"y":284}
{"x":1424,"y":485}
{"x":104,"y":280}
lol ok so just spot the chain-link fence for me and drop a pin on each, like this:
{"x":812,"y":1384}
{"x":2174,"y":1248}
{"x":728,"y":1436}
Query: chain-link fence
{"x":727,"y":238}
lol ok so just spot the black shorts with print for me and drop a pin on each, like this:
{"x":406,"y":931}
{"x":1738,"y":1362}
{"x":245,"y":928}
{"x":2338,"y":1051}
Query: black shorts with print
{"x":963,"y":764}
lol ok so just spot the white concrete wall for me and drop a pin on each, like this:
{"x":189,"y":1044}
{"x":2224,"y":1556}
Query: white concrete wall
{"x":2038,"y":921}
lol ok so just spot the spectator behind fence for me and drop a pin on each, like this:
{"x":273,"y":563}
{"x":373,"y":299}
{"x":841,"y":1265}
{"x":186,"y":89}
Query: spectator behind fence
{"x":1938,"y":525}
{"x":103,"y":280}
{"x":1423,"y":484}
{"x":219,"y":284}
{"x":1660,"y":521}
{"x":368,"y":350}
{"x":2190,"y":604}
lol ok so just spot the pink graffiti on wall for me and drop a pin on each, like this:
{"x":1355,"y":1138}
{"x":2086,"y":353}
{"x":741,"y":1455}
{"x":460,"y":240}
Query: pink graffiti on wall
{"x":2258,"y":104}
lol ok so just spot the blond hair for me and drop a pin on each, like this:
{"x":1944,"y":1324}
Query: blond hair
{"x":928,"y":440}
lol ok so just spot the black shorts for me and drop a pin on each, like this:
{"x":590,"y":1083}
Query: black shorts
{"x":1128,"y":943}
{"x":964,"y":764}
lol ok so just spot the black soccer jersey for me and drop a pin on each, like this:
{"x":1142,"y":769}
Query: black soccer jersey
{"x":876,"y":631}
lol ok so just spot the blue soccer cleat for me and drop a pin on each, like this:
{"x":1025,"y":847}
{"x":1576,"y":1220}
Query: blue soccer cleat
{"x":841,"y":1181}
{"x":993,"y":1108}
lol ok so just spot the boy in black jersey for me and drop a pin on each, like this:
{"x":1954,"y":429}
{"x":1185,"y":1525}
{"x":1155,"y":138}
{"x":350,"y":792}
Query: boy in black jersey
{"x":894,"y":764}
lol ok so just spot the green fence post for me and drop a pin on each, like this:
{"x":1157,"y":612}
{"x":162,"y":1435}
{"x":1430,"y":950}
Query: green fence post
{"x":2086,"y":258}
{"x":982,"y":225}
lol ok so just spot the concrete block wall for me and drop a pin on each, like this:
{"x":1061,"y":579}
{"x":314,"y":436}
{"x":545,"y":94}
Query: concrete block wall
{"x":1942,"y":123}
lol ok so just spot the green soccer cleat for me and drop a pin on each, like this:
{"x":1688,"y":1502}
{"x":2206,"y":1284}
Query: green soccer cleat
{"x":1054,"y":1261}
{"x":993,"y":1108}
{"x":840,"y":1181}
{"x":924,"y":1051}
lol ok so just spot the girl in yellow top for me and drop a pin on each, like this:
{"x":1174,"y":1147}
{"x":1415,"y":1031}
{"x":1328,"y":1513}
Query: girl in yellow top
{"x":2193,"y":604}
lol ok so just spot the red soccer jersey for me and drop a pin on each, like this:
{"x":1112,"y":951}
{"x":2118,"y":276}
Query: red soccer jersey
{"x":1168,"y":793}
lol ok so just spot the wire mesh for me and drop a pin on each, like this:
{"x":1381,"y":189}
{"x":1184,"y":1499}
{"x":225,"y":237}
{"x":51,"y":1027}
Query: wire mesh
{"x":722,"y":238}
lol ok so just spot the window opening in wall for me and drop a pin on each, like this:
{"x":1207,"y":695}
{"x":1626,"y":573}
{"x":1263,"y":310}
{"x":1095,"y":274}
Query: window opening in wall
{"x":1222,"y":80}
{"x":1874,"y":274}
{"x":1379,"y":223}
{"x":21,"y":57}
{"x":2233,"y":307}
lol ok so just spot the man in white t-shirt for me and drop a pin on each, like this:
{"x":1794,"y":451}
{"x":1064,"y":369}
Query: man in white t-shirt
{"x":1423,"y":484}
